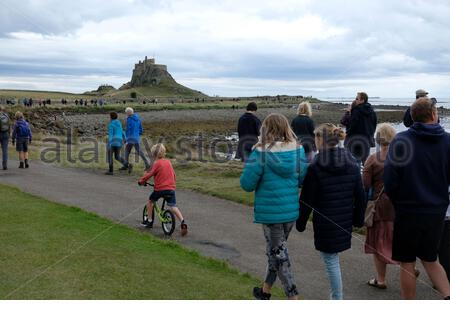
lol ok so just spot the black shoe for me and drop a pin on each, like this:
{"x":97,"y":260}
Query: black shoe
{"x":21,"y":165}
{"x":109,"y":173}
{"x":260,"y":295}
{"x":147,"y":224}
{"x":447,"y":298}
{"x":123,"y":168}
{"x":27,"y":165}
{"x":130,"y":168}
{"x":5,"y":168}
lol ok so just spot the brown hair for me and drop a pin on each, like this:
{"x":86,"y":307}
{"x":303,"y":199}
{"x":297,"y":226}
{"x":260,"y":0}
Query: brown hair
{"x":385,"y":134}
{"x":363,"y":96}
{"x":158,"y":151}
{"x":330,"y":134}
{"x":276,"y":128}
{"x":113,"y":115}
{"x":422,"y":110}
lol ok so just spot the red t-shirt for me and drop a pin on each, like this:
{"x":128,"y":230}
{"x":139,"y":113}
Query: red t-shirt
{"x":164,"y":175}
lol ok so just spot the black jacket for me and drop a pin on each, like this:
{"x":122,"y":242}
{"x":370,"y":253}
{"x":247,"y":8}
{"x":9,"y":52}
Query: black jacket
{"x":248,"y":131}
{"x":303,"y":128}
{"x":363,"y":122}
{"x":407,"y":119}
{"x":333,"y":190}
{"x":417,"y":170}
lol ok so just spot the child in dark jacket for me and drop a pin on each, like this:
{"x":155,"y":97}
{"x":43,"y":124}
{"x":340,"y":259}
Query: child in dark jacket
{"x":21,"y":137}
{"x":334,"y":193}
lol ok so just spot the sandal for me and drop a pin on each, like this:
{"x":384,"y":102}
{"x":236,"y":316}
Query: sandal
{"x":374,"y":283}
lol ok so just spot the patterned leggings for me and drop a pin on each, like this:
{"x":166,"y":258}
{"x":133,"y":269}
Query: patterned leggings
{"x":278,"y":258}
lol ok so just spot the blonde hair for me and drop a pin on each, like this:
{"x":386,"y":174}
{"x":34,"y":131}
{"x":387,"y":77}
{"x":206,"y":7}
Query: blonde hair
{"x":304,"y":108}
{"x":158,"y":151}
{"x":385,"y":134}
{"x":19,"y":115}
{"x":276,"y":128}
{"x":330,"y":134}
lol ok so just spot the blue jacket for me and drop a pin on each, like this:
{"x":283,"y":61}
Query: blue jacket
{"x":417,"y":170}
{"x":116,"y":136}
{"x":333,"y":190}
{"x":21,"y":130}
{"x":275,"y":175}
{"x":134,"y":129}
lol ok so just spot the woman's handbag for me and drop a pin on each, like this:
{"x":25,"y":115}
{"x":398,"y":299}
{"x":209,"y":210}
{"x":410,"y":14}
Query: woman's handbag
{"x":370,"y":210}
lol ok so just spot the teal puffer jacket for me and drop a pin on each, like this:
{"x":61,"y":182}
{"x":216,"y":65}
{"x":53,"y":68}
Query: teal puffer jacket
{"x":275,"y":174}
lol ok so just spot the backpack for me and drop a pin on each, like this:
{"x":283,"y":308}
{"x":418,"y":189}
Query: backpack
{"x":23,"y":130}
{"x":4,"y":122}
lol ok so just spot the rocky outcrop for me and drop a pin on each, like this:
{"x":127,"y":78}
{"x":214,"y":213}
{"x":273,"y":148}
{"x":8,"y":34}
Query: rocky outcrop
{"x":147,"y":73}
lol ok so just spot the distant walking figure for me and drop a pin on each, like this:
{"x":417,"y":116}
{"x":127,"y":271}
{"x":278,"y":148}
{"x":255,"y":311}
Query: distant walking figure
{"x":248,"y":131}
{"x":303,"y":127}
{"x":361,"y":128}
{"x":407,"y":119}
{"x":275,"y":171}
{"x":116,"y":138}
{"x":334,"y":193}
{"x":5,"y":128}
{"x":21,"y":137}
{"x":416,"y":179}
{"x":134,"y":131}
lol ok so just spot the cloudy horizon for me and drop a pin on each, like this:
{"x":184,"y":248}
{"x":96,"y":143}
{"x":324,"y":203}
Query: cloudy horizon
{"x":230,"y":48}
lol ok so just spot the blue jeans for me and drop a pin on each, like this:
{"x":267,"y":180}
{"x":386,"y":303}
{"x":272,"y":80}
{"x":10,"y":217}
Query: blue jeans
{"x":129,"y":147}
{"x":333,"y":269}
{"x":4,"y":140}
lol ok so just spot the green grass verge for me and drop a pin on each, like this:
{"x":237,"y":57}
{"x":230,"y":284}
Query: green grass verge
{"x":52,"y":251}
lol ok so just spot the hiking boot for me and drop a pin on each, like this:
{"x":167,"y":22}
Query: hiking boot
{"x":260,"y":295}
{"x":130,"y":168}
{"x":26,"y":164}
{"x":21,"y":166}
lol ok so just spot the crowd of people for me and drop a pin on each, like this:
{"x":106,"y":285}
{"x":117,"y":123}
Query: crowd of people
{"x":402,"y":195}
{"x":400,"y":192}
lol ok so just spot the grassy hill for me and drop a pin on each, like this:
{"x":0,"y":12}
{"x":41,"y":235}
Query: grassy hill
{"x":165,"y":89}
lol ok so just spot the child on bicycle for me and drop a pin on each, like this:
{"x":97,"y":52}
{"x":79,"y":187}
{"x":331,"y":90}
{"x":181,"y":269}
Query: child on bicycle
{"x":164,"y":177}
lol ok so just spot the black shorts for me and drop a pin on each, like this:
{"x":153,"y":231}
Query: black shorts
{"x":168,"y":195}
{"x":22,"y":145}
{"x":417,"y":236}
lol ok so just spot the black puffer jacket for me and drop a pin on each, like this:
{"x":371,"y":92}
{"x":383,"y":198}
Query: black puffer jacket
{"x":333,"y":190}
{"x":303,"y":128}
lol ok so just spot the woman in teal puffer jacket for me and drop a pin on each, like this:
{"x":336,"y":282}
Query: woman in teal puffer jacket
{"x":275,"y":170}
{"x":116,"y":137}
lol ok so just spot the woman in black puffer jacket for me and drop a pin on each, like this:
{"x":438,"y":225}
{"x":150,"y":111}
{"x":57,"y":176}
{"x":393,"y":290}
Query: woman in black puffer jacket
{"x":333,"y":191}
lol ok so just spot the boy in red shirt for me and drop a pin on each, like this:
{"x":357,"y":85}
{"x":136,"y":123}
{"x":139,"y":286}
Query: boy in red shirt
{"x":164,"y":177}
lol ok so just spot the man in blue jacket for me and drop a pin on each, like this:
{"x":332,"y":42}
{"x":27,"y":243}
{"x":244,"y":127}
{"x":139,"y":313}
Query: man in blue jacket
{"x":416,"y":179}
{"x":133,"y":132}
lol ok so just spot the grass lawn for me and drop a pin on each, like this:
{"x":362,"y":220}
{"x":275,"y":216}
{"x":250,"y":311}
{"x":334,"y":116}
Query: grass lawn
{"x":52,"y":251}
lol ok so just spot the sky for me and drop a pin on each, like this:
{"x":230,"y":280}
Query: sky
{"x":322,"y":48}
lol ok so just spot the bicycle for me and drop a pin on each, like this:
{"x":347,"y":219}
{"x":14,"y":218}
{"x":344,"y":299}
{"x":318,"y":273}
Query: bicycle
{"x":166,"y":216}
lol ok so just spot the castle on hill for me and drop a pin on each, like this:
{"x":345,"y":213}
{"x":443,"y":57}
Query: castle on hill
{"x":148,"y":73}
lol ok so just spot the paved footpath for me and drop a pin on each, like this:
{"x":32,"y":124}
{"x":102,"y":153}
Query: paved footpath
{"x":217,"y":228}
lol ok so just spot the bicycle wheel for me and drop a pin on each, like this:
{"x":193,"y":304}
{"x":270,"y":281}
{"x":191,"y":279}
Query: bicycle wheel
{"x":168,"y":222}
